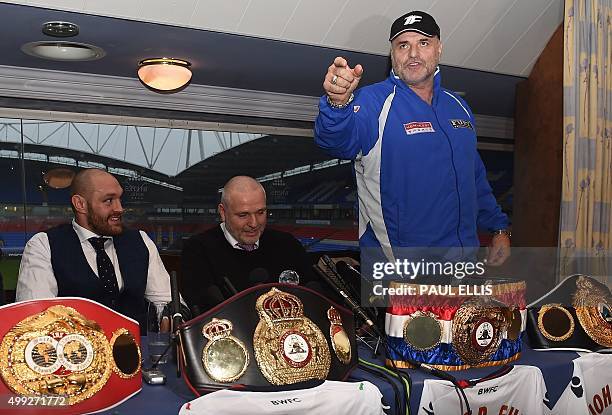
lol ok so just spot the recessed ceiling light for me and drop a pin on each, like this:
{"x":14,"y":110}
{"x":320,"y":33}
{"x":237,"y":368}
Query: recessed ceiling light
{"x":164,"y":75}
{"x":60,"y":29}
{"x":63,"y":51}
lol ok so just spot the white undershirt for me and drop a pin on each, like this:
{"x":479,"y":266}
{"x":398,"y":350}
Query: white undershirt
{"x":37,"y":280}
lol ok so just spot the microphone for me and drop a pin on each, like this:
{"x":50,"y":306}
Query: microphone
{"x":177,"y":316}
{"x":259,"y":276}
{"x":345,"y":267}
{"x":332,"y":280}
{"x":213,"y":296}
{"x":227,"y":284}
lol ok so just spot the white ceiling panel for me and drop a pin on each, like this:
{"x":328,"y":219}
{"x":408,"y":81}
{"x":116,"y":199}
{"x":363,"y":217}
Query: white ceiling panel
{"x":398,"y":8}
{"x":267,"y":18}
{"x":221,"y":15}
{"x":119,"y":8}
{"x":378,"y":32}
{"x":312,"y":31}
{"x":476,"y":23}
{"x":176,"y":12}
{"x":520,"y":58}
{"x":76,"y":5}
{"x":352,"y":24}
{"x":503,"y":36}
{"x":449,"y":14}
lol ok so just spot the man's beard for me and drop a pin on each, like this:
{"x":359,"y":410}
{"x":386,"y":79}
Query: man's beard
{"x":402,"y":71}
{"x":100,"y":225}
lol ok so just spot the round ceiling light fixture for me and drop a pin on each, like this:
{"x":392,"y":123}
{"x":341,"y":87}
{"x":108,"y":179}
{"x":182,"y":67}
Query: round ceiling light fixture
{"x":165,"y":75}
{"x":60,"y":29}
{"x":63,"y":51}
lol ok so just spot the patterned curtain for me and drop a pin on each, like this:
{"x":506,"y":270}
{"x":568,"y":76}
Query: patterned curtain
{"x":586,"y":213}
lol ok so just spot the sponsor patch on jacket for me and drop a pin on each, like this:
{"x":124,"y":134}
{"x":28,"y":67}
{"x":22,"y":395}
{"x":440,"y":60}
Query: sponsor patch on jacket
{"x":461,"y":124}
{"x":356,"y":108}
{"x":418,"y":127}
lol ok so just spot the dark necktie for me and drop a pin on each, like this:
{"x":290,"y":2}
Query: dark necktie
{"x":106,"y":271}
{"x":246,"y":247}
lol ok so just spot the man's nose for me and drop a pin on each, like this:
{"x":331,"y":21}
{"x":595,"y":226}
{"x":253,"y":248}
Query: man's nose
{"x":252,"y":221}
{"x":412,"y":52}
{"x":117,"y":207}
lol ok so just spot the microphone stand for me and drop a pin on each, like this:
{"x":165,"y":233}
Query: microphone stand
{"x":177,"y":319}
{"x":333,"y":278}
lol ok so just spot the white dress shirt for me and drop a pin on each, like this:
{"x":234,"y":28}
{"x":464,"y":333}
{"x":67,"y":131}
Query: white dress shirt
{"x":233,"y":241}
{"x":36,"y":278}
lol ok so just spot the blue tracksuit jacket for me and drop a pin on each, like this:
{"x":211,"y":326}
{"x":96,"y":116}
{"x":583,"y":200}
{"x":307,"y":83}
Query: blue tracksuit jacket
{"x":420,"y":179}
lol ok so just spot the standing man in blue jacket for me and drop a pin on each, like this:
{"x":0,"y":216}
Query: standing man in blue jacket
{"x":421,"y":182}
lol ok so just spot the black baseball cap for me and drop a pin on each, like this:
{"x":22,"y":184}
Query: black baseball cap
{"x":415,"y":21}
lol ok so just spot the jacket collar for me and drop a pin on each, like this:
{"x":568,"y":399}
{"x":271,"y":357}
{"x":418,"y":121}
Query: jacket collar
{"x":436,"y":85}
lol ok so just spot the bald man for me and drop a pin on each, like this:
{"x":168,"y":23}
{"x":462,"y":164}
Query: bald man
{"x":240,"y":252}
{"x":95,"y":257}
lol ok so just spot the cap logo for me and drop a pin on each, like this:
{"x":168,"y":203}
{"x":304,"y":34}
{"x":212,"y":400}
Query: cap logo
{"x":412,"y":19}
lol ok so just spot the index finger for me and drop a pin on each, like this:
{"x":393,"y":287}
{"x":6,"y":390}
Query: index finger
{"x":340,"y":62}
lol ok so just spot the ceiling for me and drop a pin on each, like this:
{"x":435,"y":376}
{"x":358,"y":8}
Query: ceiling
{"x":280,"y":47}
{"x":501,"y":36}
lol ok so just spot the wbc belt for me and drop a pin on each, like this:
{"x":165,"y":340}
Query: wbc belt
{"x":70,"y":353}
{"x":270,"y":334}
{"x":451,"y":331}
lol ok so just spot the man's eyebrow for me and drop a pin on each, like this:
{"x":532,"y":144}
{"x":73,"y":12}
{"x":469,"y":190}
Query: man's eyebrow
{"x":256,"y":210}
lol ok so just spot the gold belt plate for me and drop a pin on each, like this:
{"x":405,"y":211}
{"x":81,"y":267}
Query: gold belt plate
{"x":289,"y":347}
{"x":57,"y":352}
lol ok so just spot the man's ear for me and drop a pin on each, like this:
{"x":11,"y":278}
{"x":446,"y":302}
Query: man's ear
{"x":79,"y":203}
{"x":221,"y":210}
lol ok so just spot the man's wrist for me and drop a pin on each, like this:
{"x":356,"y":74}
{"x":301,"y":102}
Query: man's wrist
{"x":501,"y":232}
{"x":340,"y":106}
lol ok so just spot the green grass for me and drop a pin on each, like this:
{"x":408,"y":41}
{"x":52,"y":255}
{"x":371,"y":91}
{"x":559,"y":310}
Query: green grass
{"x":9,"y":268}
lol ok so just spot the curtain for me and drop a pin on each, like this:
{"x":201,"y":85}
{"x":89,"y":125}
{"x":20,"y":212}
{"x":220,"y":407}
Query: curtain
{"x":586,"y":214}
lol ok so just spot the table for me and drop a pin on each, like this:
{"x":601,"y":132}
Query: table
{"x":556,"y":366}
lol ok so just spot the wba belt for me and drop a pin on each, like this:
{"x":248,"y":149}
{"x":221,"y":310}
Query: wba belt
{"x":269,"y":334}
{"x":451,"y":331}
{"x":574,"y":315}
{"x":71,"y":353}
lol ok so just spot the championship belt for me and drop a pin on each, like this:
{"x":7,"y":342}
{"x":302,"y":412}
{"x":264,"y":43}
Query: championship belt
{"x":576,"y":314}
{"x":224,"y":357}
{"x":339,"y":338}
{"x":289,"y":347}
{"x":72,"y":353}
{"x":453,"y":328}
{"x":270,"y":334}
